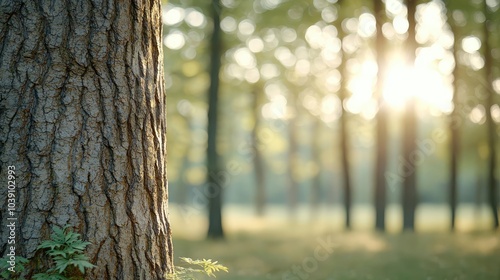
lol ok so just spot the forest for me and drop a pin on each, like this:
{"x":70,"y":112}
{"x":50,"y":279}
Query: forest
{"x":331,"y":115}
{"x":249,"y":139}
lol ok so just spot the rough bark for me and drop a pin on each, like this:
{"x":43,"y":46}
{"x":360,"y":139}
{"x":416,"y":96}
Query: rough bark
{"x":410,"y":130}
{"x":83,"y":121}
{"x":490,"y":124}
{"x":214,"y":185}
{"x":381,"y":153}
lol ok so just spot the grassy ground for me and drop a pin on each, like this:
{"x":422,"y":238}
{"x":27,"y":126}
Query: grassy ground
{"x":298,"y":254}
{"x":311,"y":250}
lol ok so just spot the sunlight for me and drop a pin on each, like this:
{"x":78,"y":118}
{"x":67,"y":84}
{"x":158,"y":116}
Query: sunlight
{"x":195,"y":18}
{"x":245,"y":58}
{"x":276,"y":108}
{"x":174,"y":40}
{"x":398,"y":86}
{"x":471,"y":44}
{"x":428,"y":86}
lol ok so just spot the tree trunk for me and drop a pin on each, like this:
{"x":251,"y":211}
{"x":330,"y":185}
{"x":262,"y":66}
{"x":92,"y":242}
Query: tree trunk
{"x":344,"y":146}
{"x":83,"y":124}
{"x":488,"y":59}
{"x":183,"y":184}
{"x":454,"y":123}
{"x":214,"y":180}
{"x":293,"y":187}
{"x":478,"y":195}
{"x":258,"y":163}
{"x":381,"y":157}
{"x":316,"y":154}
{"x":410,"y":131}
{"x":344,"y":137}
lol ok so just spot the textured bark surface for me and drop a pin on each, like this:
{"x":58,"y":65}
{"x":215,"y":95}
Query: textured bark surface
{"x":82,"y":119}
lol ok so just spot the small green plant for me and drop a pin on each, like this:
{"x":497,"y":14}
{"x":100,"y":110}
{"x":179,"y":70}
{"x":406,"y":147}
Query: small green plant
{"x":5,"y":265}
{"x":201,"y":267}
{"x":65,"y":248}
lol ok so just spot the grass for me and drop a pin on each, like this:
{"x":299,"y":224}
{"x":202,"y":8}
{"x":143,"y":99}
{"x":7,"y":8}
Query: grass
{"x":356,"y":255}
{"x":293,"y":250}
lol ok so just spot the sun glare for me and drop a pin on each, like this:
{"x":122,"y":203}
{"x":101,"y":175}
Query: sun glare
{"x":398,"y":86}
{"x":430,"y":88}
{"x":426,"y":82}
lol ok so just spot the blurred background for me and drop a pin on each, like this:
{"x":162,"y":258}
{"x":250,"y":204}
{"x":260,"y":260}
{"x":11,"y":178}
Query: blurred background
{"x":293,"y":119}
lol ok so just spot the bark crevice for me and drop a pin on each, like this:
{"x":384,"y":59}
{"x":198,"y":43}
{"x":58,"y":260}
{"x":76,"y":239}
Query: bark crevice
{"x":83,"y":119}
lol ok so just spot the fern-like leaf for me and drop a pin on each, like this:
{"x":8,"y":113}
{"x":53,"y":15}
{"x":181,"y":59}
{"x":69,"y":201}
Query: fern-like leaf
{"x":206,"y":267}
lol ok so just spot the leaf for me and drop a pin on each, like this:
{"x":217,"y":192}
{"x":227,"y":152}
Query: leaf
{"x":54,"y":253}
{"x":49,"y":244}
{"x":72,"y":237}
{"x":209,"y":267}
{"x":80,"y":245}
{"x":81,"y":262}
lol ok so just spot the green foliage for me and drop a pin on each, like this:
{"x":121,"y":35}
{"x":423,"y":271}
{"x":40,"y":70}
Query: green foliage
{"x":206,"y":267}
{"x":65,"y":248}
{"x":19,"y":268}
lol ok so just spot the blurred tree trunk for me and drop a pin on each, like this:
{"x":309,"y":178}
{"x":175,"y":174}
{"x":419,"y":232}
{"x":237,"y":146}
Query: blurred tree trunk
{"x":344,"y":137}
{"x":316,"y":154}
{"x":478,"y":196}
{"x":381,"y":158}
{"x":454,"y":148}
{"x":83,"y":126}
{"x":454,"y":123}
{"x":183,"y":189}
{"x":258,"y":163}
{"x":214,"y":173}
{"x":344,"y":146}
{"x":410,"y":130}
{"x":293,"y":186}
{"x":490,"y":124}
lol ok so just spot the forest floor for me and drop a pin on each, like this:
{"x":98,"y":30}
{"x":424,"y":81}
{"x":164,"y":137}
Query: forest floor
{"x":261,"y":249}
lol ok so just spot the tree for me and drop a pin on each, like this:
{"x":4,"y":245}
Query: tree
{"x":83,"y":127}
{"x":344,"y":137}
{"x":214,"y":185}
{"x":344,"y":151}
{"x":454,"y":121}
{"x":410,"y":129}
{"x":293,"y":158}
{"x":455,"y":143}
{"x":381,"y":158}
{"x":183,"y":183}
{"x":488,"y":59}
{"x":258,"y":162}
{"x":316,"y":149}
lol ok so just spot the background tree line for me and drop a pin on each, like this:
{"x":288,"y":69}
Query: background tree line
{"x":312,"y":109}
